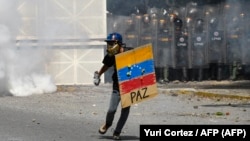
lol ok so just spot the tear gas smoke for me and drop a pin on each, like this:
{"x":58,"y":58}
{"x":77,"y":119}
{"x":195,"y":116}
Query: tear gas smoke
{"x":22,"y":69}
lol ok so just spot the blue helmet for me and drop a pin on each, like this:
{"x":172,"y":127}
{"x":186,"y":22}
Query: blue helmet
{"x":114,"y":37}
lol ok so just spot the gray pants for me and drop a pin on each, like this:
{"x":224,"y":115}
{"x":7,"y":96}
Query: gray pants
{"x":114,"y":102}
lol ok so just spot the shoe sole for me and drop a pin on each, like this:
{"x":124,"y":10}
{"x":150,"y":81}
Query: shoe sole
{"x":102,"y":132}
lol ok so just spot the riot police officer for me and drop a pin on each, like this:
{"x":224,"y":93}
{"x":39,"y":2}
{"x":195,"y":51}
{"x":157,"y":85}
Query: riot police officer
{"x":180,"y":51}
{"x":216,"y":50}
{"x":198,"y":49}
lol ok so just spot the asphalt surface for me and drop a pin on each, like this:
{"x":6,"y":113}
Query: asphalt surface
{"x":75,"y":113}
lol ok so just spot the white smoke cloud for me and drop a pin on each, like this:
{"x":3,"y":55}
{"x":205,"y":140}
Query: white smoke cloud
{"x":35,"y":83}
{"x":22,"y":69}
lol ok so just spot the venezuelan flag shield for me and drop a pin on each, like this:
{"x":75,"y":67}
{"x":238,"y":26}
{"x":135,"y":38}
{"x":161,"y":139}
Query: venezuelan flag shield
{"x":136,"y":75}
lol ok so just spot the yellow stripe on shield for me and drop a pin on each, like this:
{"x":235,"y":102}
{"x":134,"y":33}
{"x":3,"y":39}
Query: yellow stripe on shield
{"x":140,"y":54}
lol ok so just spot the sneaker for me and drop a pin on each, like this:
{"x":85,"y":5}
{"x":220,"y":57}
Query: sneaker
{"x":116,"y":136}
{"x":103,"y":129}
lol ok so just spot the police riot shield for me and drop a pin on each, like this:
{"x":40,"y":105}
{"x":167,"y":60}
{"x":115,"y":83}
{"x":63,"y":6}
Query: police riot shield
{"x":181,"y":51}
{"x":233,"y":45}
{"x":131,"y":39}
{"x":216,"y":54}
{"x":179,"y":70}
{"x":163,"y":58}
{"x":198,"y":56}
{"x":164,"y":41}
{"x":146,"y":29}
{"x":132,"y":32}
{"x":216,"y":49}
{"x":199,"y":46}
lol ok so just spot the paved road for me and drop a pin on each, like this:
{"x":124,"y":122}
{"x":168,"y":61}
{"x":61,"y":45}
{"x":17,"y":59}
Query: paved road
{"x":75,"y":113}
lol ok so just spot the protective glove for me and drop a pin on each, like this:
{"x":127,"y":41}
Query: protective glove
{"x":97,"y":79}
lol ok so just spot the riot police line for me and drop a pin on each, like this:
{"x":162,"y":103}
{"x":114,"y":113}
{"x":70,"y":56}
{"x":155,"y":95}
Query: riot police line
{"x":194,"y":44}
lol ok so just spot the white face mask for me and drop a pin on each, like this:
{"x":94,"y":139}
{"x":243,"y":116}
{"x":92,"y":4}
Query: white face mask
{"x":112,"y":48}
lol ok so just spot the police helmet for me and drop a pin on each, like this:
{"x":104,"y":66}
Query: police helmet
{"x":199,"y":22}
{"x":213,"y":22}
{"x":178,"y":22}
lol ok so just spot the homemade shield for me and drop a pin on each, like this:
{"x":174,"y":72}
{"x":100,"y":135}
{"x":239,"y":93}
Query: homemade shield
{"x":136,"y":75}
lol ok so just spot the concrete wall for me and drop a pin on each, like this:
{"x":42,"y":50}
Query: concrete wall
{"x":71,"y":31}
